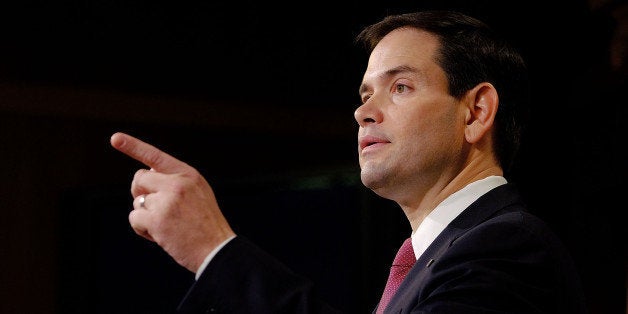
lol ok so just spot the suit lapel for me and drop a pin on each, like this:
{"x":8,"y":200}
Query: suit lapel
{"x":483,"y":208}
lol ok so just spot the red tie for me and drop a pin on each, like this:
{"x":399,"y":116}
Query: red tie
{"x":401,"y":265}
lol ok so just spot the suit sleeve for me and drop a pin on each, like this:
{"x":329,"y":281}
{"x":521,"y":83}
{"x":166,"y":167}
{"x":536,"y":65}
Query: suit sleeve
{"x":242,"y":278}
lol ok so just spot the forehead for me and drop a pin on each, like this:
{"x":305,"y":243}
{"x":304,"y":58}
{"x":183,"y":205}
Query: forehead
{"x":404,"y":47}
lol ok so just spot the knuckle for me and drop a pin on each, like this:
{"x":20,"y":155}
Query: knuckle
{"x":196,"y":177}
{"x":138,"y":174}
{"x":179,"y":188}
{"x":136,"y":182}
{"x":133,"y":220}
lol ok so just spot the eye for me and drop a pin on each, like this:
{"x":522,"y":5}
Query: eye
{"x":400,"y":88}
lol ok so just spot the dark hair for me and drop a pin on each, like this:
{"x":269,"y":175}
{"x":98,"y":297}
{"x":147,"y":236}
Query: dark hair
{"x":471,"y":53}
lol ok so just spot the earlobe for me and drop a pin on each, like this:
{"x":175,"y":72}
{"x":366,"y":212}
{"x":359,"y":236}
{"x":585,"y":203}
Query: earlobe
{"x":483,"y":103}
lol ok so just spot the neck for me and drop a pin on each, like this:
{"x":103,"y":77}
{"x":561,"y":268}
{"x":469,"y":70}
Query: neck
{"x":438,"y":192}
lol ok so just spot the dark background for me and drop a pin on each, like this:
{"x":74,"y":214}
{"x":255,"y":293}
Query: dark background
{"x":260,"y":97}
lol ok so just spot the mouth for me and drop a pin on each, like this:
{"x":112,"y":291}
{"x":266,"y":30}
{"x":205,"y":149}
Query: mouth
{"x":371,"y":141}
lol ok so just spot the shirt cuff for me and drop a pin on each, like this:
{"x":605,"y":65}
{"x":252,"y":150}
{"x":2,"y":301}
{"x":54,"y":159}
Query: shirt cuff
{"x":210,"y":256}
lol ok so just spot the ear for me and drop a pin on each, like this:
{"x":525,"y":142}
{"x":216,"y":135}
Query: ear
{"x":482,"y":102}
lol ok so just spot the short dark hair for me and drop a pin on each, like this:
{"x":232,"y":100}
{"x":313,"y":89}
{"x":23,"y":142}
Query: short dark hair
{"x":470,"y":53}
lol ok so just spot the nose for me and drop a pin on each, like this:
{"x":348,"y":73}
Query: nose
{"x":368,"y":113}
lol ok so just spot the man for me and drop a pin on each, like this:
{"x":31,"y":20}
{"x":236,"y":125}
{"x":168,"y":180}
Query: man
{"x":439,"y":124}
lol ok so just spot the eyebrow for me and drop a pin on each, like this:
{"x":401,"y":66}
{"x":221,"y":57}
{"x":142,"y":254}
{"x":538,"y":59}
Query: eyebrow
{"x":390,"y":73}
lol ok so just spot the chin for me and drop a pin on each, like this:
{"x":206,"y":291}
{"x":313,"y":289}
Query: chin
{"x":371,"y":181}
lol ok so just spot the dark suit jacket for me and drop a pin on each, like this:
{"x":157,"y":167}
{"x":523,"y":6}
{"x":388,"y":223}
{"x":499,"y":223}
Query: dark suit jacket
{"x":493,"y":258}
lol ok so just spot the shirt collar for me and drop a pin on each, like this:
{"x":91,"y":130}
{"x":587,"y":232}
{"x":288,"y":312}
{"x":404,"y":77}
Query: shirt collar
{"x":448,"y":210}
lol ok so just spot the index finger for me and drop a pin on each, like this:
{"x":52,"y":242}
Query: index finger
{"x":146,"y":153}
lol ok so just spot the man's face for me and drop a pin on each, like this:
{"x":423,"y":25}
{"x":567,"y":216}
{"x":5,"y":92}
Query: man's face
{"x":411,"y":131}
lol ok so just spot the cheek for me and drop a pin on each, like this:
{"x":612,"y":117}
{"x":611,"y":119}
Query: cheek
{"x":430,"y":134}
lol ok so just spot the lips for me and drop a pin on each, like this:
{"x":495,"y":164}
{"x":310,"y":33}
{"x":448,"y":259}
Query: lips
{"x":369,"y":141}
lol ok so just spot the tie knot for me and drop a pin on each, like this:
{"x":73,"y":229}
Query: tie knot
{"x":405,"y":256}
